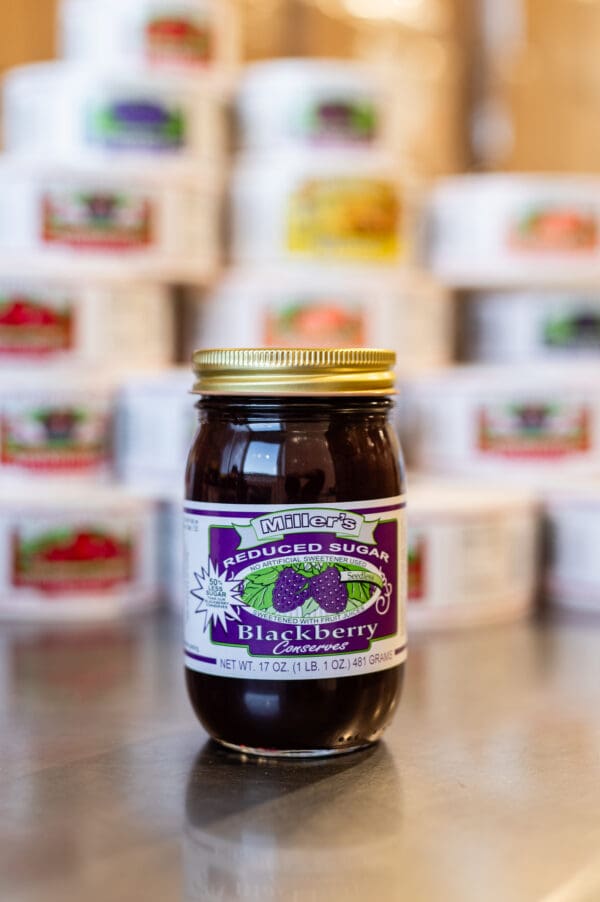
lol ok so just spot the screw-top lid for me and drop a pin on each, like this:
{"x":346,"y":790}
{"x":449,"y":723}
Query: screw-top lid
{"x":294,"y":371}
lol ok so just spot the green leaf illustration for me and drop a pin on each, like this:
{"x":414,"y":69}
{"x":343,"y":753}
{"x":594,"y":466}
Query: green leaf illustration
{"x":360,"y":592}
{"x":309,"y":607}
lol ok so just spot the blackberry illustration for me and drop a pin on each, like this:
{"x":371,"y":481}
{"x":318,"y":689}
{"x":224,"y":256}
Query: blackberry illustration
{"x":329,"y":592}
{"x":290,"y":591}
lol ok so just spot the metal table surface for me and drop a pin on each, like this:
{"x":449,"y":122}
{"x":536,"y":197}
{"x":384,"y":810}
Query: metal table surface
{"x":486,"y":788}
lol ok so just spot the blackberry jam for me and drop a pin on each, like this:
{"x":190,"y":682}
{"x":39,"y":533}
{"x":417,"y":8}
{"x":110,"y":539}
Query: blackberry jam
{"x":295,"y":550}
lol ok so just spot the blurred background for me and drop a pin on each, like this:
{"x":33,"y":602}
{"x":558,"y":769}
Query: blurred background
{"x":514,"y":85}
{"x":415,"y":174}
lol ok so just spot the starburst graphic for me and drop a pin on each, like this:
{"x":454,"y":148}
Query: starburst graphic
{"x":218,"y":597}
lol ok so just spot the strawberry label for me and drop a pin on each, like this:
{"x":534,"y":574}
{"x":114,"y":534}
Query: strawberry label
{"x":72,"y":558}
{"x":339,"y":120}
{"x":55,"y":438}
{"x":344,"y":218}
{"x":556,"y":229}
{"x":534,"y":430}
{"x":96,"y":220}
{"x":35,"y":325}
{"x":315,"y":323}
{"x":295,"y":592}
{"x":178,"y":40}
{"x":136,"y":124}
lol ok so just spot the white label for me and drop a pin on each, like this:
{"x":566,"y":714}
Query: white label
{"x":294,"y":592}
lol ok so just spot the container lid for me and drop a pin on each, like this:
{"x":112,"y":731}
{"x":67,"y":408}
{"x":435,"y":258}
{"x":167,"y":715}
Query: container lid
{"x":288,"y":73}
{"x":173,"y":381}
{"x":67,"y":384}
{"x":500,"y":182}
{"x":439,"y":498}
{"x":331,"y":161}
{"x":282,"y":278}
{"x":294,"y":371}
{"x":151,"y":175}
{"x":526,"y":379}
{"x":62,"y":497}
{"x":77,"y":76}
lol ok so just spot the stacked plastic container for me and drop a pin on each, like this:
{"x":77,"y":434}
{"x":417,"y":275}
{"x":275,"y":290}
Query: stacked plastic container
{"x":524,"y":410}
{"x":111,"y":187}
{"x":322,"y":223}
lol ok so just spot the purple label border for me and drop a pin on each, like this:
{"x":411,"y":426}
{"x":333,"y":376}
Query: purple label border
{"x":250,"y":512}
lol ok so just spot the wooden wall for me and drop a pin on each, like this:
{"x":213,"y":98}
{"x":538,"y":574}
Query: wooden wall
{"x":27,"y":31}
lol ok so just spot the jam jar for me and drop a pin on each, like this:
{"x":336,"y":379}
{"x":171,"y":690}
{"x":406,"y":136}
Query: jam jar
{"x":295,"y":550}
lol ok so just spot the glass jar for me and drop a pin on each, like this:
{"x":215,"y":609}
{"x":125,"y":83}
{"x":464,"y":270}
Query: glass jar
{"x":295,"y":550}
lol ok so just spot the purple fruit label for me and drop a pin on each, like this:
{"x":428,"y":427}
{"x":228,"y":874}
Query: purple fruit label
{"x":296,"y":593}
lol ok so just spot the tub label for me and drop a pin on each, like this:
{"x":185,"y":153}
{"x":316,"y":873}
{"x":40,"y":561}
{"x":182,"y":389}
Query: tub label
{"x":534,"y":430}
{"x":54,"y":438}
{"x":294,"y":593}
{"x":68,"y":557}
{"x":315,"y":323}
{"x":32,"y":326}
{"x":578,"y":330}
{"x":555,"y":229}
{"x":136,"y":124}
{"x":96,"y":220}
{"x":339,"y":120}
{"x":178,"y":40}
{"x":344,"y":218}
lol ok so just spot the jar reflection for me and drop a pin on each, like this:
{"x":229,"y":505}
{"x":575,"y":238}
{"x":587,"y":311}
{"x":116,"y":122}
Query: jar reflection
{"x":258,"y":830}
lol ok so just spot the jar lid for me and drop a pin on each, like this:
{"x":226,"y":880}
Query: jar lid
{"x":294,"y":371}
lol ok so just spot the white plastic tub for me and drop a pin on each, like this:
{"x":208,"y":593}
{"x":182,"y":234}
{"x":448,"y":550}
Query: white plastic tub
{"x":519,"y":326}
{"x":572,"y":566}
{"x":108,"y":215}
{"x":472,"y":554}
{"x":196,"y":35}
{"x":309,"y":104}
{"x":328,"y":207}
{"x":45,"y":323}
{"x":171,"y":551}
{"x":156,"y":422}
{"x":67,"y":111}
{"x":504,"y":229}
{"x":327,"y":307}
{"x":76,"y":555}
{"x":58,"y":427}
{"x":529,"y":422}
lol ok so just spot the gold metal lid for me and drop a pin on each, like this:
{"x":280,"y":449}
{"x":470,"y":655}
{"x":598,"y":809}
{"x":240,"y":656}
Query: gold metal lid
{"x":294,"y":371}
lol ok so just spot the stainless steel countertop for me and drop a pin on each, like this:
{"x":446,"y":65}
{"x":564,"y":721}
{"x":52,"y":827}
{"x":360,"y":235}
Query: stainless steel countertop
{"x":486,"y":788}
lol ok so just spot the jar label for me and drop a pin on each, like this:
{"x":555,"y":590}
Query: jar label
{"x":294,"y":592}
{"x":345,"y":218}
